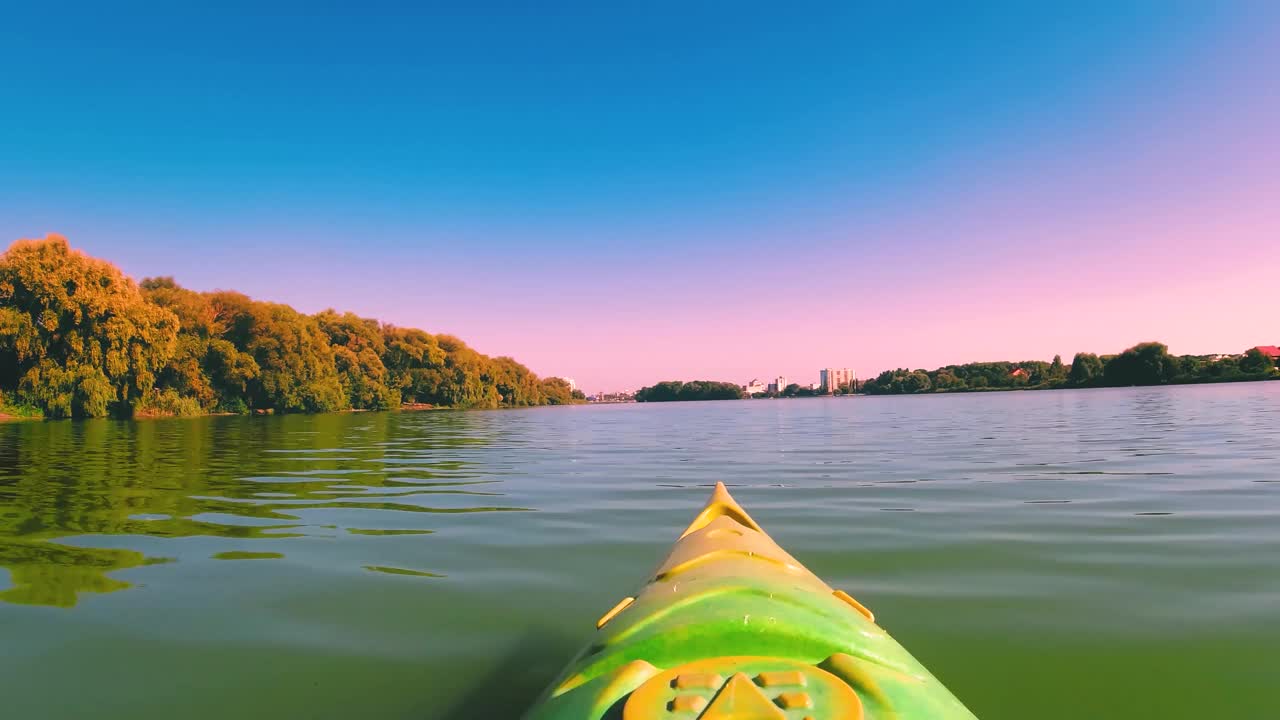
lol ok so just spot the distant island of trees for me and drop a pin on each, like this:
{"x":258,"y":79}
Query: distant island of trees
{"x":675,"y":390}
{"x":1147,"y":363}
{"x":78,"y":338}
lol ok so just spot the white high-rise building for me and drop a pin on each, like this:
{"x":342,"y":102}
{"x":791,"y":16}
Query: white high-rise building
{"x":832,"y":379}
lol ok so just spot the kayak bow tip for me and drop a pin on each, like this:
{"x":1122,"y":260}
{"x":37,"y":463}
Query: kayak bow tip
{"x":721,"y":504}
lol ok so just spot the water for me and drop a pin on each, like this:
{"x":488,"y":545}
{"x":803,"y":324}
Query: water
{"x":1103,"y":553}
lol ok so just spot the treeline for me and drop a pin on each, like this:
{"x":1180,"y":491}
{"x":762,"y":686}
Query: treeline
{"x":1147,"y":363}
{"x":672,"y":390}
{"x":78,"y":338}
{"x":796,"y":390}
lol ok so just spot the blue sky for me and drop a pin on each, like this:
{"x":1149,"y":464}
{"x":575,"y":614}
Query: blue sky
{"x":538,"y":179}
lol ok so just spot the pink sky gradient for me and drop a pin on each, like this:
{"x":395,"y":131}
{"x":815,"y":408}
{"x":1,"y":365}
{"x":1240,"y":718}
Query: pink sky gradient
{"x":1158,"y":222}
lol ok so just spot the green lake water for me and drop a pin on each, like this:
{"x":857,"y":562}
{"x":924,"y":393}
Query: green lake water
{"x":1068,"y":554}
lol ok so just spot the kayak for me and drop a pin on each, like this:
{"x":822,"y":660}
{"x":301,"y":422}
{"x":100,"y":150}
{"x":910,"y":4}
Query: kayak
{"x":731,"y":627}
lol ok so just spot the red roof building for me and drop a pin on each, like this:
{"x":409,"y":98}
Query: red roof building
{"x":1270,"y":351}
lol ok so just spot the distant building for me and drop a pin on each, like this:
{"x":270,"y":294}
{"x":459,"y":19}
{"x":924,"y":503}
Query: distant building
{"x":755,"y":387}
{"x":572,"y":385}
{"x":1018,"y":373}
{"x":832,"y":379}
{"x":614,"y":397}
{"x":1270,"y":351}
{"x":779,"y":384}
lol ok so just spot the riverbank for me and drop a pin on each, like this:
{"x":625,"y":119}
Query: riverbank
{"x":1267,"y":377}
{"x":14,"y":413}
{"x":1144,"y":364}
{"x":1275,"y":376}
{"x":7,"y":417}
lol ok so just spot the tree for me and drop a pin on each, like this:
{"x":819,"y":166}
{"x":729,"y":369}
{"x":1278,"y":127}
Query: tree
{"x":665,"y":391}
{"x":1146,"y":363}
{"x":557,"y":391}
{"x":671,"y":390}
{"x":1255,"y":361}
{"x":1057,"y":371}
{"x":917,"y":382}
{"x":297,"y":371}
{"x":206,"y":366}
{"x":415,"y":363}
{"x":946,"y":380}
{"x":358,"y":347}
{"x":1086,"y":369}
{"x":77,"y":338}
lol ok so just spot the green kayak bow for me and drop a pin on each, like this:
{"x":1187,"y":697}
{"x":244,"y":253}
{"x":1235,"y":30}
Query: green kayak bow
{"x":731,"y":627}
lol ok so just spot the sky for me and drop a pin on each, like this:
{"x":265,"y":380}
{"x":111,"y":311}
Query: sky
{"x":623,"y":193}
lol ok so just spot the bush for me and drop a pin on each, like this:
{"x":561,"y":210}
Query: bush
{"x":234,"y":405}
{"x":9,"y":406}
{"x":167,"y":403}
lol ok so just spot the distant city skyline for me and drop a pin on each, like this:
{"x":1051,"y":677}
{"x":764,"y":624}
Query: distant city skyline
{"x":629,"y":195}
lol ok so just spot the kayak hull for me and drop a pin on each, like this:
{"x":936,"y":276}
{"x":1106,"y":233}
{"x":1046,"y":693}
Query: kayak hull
{"x":731,"y":626}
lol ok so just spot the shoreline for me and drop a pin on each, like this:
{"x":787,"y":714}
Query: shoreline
{"x":964,"y":391}
{"x":6,"y":418}
{"x":270,"y":412}
{"x":1037,"y":388}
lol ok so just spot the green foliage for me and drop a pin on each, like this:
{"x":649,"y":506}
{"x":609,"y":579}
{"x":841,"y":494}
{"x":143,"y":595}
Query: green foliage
{"x":297,"y":371}
{"x":358,"y":348}
{"x":672,"y":390}
{"x":557,"y":392}
{"x":665,"y":391}
{"x":1254,"y":361}
{"x":12,"y":408}
{"x":206,"y":365}
{"x":944,"y":380}
{"x":79,"y":339}
{"x":518,"y":387}
{"x":415,"y":363}
{"x":1086,"y":370}
{"x":1146,"y":363}
{"x":903,"y":381}
{"x":710,"y":390}
{"x":167,"y":403}
{"x":1057,"y":371}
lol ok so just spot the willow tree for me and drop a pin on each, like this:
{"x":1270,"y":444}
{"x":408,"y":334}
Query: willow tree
{"x":77,"y":338}
{"x":358,"y":347}
{"x":412,"y":358}
{"x":296,"y":368}
{"x":206,"y":366}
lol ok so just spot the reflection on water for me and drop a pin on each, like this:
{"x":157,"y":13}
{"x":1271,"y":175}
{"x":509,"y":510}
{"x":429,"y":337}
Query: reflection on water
{"x":247,"y":479}
{"x":46,"y":573}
